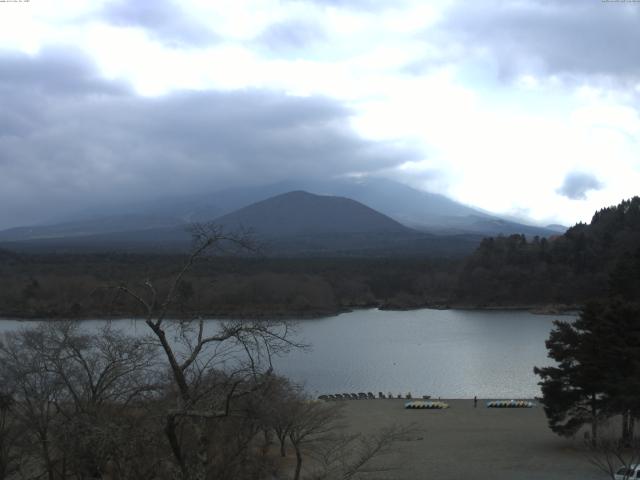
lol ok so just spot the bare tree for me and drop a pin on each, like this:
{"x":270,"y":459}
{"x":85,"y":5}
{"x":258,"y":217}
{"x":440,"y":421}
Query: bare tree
{"x":613,"y":455}
{"x":72,"y":393}
{"x":105,"y":377}
{"x":36,"y":392}
{"x":109,"y":367}
{"x":311,"y":421}
{"x":346,"y":457}
{"x":279,"y":413}
{"x":10,"y":435}
{"x":243,"y":349}
{"x":315,"y":430}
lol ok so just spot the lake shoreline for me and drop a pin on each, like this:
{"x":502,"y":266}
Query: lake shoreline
{"x":442,"y":353}
{"x":541,"y":309}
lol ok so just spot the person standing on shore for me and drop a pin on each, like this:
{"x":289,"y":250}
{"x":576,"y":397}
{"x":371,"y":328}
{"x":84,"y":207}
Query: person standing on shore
{"x":475,"y":401}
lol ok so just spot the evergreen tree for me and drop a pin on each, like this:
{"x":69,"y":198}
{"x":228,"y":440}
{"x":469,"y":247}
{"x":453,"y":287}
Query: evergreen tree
{"x":624,"y":280}
{"x":598,"y":369}
{"x":620,"y":352}
{"x":573,"y":391}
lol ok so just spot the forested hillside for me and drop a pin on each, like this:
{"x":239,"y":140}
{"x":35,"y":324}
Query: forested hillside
{"x":587,"y":261}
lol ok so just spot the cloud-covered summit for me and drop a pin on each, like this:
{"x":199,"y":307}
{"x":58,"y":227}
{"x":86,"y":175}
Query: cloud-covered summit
{"x":99,"y":142}
{"x":481,"y":91}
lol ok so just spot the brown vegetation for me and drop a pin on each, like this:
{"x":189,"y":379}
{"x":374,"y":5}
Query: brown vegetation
{"x":181,"y":402}
{"x":77,"y":286}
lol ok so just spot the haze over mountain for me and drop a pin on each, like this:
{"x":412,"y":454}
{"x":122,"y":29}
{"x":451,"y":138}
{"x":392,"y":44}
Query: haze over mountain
{"x":291,"y":224}
{"x":93,"y":226}
{"x":417,"y":209}
{"x":399,"y":201}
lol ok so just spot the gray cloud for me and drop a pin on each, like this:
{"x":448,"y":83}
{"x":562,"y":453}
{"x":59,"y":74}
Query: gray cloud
{"x":56,"y":72}
{"x":81,"y":141}
{"x":574,"y":37}
{"x":576,"y":185}
{"x":165,"y":20}
{"x":291,"y":37}
{"x":371,"y":5}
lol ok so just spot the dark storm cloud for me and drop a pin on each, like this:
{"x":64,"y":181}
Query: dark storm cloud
{"x":577,"y":184}
{"x":291,"y":36}
{"x":165,"y":20}
{"x":63,"y":151}
{"x":547,"y":36}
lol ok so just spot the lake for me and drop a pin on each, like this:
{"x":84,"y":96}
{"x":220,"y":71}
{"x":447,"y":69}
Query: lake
{"x":442,"y":353}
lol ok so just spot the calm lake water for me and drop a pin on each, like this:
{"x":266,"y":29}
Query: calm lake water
{"x":442,"y":353}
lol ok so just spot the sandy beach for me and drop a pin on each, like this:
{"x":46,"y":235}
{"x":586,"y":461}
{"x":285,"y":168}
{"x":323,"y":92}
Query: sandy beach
{"x":466,"y":442}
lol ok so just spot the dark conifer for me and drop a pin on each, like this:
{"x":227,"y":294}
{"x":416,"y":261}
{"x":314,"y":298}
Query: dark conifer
{"x":573,"y":390}
{"x":598,"y":369}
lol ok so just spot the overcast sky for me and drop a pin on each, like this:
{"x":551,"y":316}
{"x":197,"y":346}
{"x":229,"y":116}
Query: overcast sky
{"x":520,"y":107}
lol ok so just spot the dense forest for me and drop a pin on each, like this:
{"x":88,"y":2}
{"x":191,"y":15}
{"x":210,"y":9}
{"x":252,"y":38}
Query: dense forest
{"x":584,"y":263}
{"x":81,"y":286}
{"x":510,"y":271}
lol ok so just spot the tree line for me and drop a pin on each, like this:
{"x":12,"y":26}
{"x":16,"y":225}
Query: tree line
{"x":75,"y":286}
{"x":582,"y":264}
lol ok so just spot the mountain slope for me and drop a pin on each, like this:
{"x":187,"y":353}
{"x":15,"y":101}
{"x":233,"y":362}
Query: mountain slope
{"x":426,"y":211}
{"x":302,"y":213}
{"x":417,"y":209}
{"x":292,"y":224}
{"x":405,"y":204}
{"x":490,"y":226}
{"x":89,"y":227}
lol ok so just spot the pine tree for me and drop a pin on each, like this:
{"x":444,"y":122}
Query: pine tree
{"x":598,"y":369}
{"x":620,"y":352}
{"x":573,"y":391}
